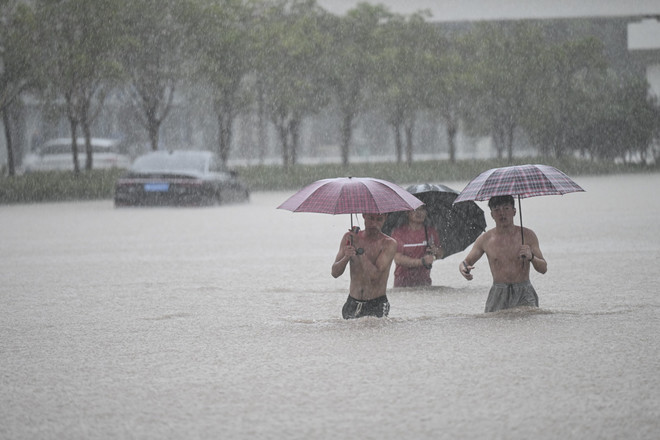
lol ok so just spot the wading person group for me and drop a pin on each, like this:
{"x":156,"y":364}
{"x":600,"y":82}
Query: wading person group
{"x":511,"y":252}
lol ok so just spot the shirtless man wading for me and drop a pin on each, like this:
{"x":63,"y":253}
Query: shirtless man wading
{"x":370,"y":254}
{"x":509,"y":259}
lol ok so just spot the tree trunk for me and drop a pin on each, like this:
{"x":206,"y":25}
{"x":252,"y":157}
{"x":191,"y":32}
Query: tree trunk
{"x":409,"y":128}
{"x":294,"y":132}
{"x":225,"y":133}
{"x":261,"y":124}
{"x":509,"y":141}
{"x":452,"y":129}
{"x":498,"y":141}
{"x":87,"y":132}
{"x":346,"y":135}
{"x":284,"y":142}
{"x":153,"y":128}
{"x":11,"y":168}
{"x":398,"y":144}
{"x":74,"y":145}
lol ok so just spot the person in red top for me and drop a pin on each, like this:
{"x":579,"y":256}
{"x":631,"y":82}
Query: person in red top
{"x":418,"y":245}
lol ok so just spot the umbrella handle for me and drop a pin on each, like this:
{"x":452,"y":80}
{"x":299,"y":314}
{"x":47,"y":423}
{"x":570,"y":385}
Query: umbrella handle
{"x":355,"y":230}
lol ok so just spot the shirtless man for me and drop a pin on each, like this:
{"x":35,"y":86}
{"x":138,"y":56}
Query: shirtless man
{"x":370,"y":254}
{"x":508,"y":258}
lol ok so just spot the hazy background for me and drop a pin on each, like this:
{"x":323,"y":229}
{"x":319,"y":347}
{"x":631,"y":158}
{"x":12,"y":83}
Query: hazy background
{"x":460,"y":10}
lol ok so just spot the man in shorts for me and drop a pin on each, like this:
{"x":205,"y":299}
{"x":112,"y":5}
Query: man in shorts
{"x":509,"y":259}
{"x":370,"y":254}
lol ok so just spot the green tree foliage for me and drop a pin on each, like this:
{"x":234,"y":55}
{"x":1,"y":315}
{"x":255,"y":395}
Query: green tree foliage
{"x":508,"y":65}
{"x":567,"y":92}
{"x":511,"y":81}
{"x":220,"y":35}
{"x":290,"y":68}
{"x":154,"y":58}
{"x":622,"y":125}
{"x":449,"y":81}
{"x":401,"y":86}
{"x":351,"y":64}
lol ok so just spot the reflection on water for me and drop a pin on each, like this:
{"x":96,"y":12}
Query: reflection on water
{"x":225,"y":323}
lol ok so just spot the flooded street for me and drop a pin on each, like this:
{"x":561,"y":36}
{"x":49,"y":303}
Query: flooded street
{"x":225,"y":322}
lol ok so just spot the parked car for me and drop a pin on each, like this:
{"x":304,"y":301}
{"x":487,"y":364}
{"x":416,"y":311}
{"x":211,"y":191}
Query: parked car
{"x":179,"y":178}
{"x":56,"y":154}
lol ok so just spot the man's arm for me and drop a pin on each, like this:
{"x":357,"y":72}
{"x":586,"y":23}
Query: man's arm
{"x":406,"y":261}
{"x":473,"y":256}
{"x":346,"y":251}
{"x":533,"y":253}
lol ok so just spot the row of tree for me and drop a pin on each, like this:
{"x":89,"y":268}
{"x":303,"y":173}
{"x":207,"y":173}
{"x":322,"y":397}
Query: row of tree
{"x":287,"y":60}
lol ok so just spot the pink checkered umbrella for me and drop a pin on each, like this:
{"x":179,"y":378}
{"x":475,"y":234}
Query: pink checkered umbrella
{"x":521,"y":181}
{"x":351,"y":195}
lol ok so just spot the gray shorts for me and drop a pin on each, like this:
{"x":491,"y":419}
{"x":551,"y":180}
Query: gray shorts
{"x":506,"y":296}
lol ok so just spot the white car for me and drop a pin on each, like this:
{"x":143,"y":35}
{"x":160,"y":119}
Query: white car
{"x":56,"y":154}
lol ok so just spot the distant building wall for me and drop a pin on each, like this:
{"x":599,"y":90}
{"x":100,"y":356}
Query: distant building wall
{"x":644,"y":43}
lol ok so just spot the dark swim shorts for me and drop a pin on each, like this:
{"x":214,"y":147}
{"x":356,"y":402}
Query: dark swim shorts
{"x":354,"y":308}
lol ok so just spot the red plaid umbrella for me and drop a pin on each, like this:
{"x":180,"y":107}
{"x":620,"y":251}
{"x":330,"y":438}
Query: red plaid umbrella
{"x":521,"y":180}
{"x":351,"y":195}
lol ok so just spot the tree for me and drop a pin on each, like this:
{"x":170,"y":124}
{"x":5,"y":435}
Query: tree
{"x":451,"y":79}
{"x":80,"y":52}
{"x":351,"y":64}
{"x":566,"y":91}
{"x":401,"y":86}
{"x":622,"y":121}
{"x":154,"y":58}
{"x":508,"y":65}
{"x":220,"y":31}
{"x":291,"y":41}
{"x":17,"y":59}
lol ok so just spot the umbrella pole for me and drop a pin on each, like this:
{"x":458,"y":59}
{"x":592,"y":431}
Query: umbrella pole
{"x":351,"y":235}
{"x":522,"y":236}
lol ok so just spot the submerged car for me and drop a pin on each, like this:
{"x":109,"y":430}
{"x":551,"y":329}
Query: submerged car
{"x":56,"y":155}
{"x":179,"y":178}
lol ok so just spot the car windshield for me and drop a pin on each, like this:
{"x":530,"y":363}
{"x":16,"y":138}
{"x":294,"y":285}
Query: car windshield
{"x":171,"y":162}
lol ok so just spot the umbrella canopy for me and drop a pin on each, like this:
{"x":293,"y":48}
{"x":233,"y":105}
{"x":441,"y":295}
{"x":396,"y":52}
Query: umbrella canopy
{"x":521,"y":181}
{"x":457,"y":225}
{"x":351,"y":195}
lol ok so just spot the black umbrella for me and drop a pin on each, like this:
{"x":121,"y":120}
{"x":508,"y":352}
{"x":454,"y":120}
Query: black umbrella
{"x":458,"y":225}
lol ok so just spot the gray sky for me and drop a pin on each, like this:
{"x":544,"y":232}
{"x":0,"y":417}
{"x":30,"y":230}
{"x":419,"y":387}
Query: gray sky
{"x":460,"y":10}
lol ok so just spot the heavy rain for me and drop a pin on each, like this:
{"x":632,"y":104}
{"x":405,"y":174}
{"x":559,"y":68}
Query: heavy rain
{"x":224,"y":321}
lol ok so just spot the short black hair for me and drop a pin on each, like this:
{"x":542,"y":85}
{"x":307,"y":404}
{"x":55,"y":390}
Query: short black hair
{"x":501,"y":200}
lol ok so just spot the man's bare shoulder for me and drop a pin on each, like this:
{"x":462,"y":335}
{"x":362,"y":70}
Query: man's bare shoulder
{"x":386,"y":239}
{"x":483,"y":238}
{"x":528,"y":231}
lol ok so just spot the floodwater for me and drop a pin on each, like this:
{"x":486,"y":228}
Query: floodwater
{"x":224,"y":322}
